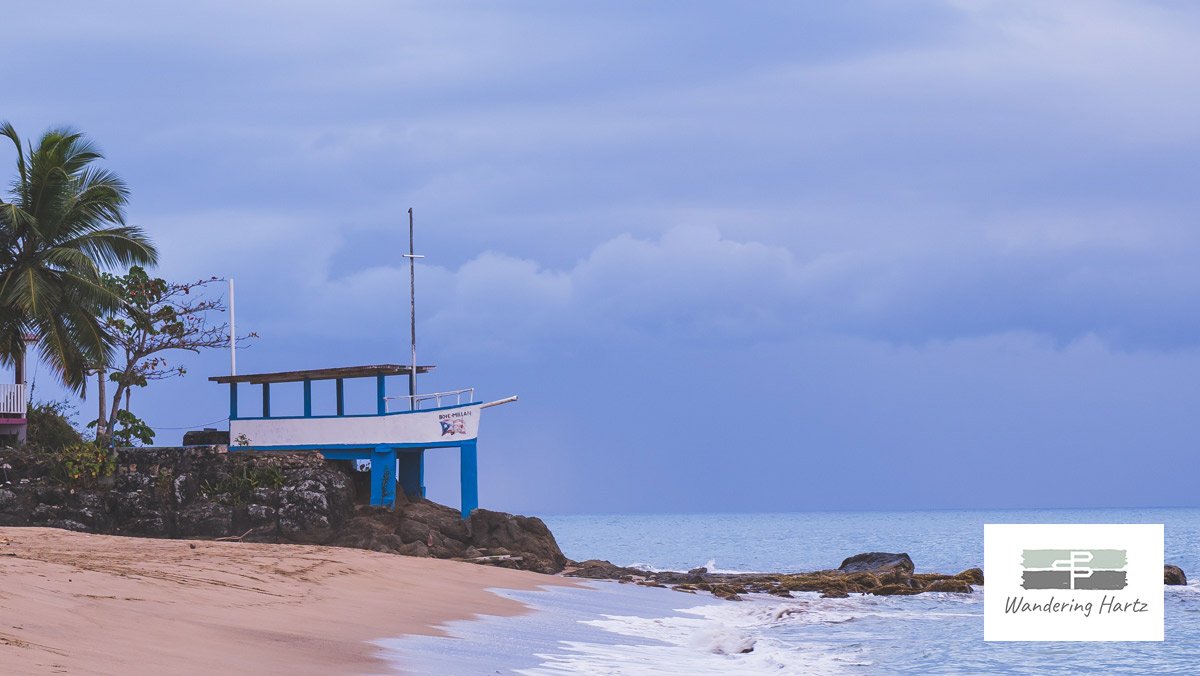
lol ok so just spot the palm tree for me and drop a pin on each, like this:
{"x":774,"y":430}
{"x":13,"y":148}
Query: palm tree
{"x":61,"y":225}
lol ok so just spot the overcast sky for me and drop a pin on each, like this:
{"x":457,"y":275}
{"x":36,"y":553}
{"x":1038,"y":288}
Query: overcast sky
{"x":731,"y":256}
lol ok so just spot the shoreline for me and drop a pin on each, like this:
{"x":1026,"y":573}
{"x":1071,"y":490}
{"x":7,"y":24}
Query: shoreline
{"x":85,"y":603}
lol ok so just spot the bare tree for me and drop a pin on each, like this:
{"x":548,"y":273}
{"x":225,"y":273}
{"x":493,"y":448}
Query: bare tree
{"x":157,"y":317}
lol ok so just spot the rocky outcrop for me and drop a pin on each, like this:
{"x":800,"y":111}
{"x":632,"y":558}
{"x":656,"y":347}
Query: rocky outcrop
{"x":878,"y":562}
{"x":596,"y":569}
{"x":424,"y":528}
{"x":1173,"y":575}
{"x":972,"y":576}
{"x":876,"y":573}
{"x":206,"y":492}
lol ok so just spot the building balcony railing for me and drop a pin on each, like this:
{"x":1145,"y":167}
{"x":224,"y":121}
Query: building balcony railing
{"x":13,"y":401}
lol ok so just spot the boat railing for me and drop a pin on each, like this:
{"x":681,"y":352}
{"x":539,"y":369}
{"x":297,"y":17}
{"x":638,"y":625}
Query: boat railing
{"x":418,"y":402}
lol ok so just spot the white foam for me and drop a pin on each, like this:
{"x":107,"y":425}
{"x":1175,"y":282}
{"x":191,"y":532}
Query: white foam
{"x":711,"y":565}
{"x":708,"y":639}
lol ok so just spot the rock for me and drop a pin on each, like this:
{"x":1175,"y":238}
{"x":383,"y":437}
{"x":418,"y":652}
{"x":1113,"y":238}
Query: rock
{"x":366,"y":533}
{"x":524,"y":536}
{"x":413,"y":549}
{"x":894,"y":590}
{"x":839,"y":589}
{"x":953,"y":585}
{"x":972,"y":576}
{"x":596,"y":569}
{"x":421,"y":517}
{"x":206,"y":519}
{"x":447,"y":547}
{"x":877,"y":562}
{"x":50,"y":495}
{"x":899,"y":577}
{"x":1173,"y":575}
{"x":864,"y":580}
{"x":726,"y":592}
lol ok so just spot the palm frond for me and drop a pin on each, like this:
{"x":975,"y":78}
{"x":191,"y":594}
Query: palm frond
{"x":64,"y":223}
{"x":126,"y":246}
{"x":6,"y":129}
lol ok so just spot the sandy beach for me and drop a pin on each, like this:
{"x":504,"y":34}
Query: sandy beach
{"x":80,"y":603}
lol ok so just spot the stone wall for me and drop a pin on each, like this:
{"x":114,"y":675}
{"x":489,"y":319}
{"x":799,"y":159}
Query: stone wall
{"x":198,"y":491}
{"x":206,"y":492}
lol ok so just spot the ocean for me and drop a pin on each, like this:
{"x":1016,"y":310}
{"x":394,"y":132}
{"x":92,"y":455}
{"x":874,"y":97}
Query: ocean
{"x":611,"y":628}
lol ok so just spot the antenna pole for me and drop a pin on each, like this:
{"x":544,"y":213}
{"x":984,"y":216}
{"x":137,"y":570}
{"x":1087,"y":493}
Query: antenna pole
{"x":232,"y":334}
{"x":412,"y":297}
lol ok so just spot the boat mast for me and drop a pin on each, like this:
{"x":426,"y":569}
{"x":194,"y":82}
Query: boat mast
{"x":412,"y":298}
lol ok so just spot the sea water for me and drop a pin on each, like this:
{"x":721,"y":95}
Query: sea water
{"x":611,"y":628}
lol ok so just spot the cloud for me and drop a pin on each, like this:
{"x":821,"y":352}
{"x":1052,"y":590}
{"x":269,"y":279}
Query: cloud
{"x":693,"y":285}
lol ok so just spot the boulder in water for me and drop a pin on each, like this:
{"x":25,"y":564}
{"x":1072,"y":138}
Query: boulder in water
{"x":878,"y":563}
{"x":1173,"y":575}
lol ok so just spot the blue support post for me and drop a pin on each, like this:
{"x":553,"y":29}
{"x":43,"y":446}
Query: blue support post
{"x":341,"y":397}
{"x":411,"y":472}
{"x":307,"y":398}
{"x":233,"y":401}
{"x":468,"y":476}
{"x":266,"y":400}
{"x":381,"y":392}
{"x":383,"y":477}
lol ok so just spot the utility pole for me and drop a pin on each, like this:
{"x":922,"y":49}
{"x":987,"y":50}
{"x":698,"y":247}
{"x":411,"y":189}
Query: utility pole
{"x":232,"y":333}
{"x":412,"y":298}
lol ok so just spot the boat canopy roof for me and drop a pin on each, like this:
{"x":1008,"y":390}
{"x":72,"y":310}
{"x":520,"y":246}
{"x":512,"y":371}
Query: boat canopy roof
{"x":323,"y":374}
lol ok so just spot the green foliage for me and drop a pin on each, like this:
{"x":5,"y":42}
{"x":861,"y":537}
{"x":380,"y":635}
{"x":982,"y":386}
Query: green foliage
{"x":152,"y":318}
{"x":241,"y":484}
{"x":56,"y":450}
{"x":131,"y":430}
{"x":155,"y":318}
{"x":61,"y":224}
{"x":164,"y":482}
{"x":83,"y":464}
{"x":50,"y":426}
{"x":128,"y":430}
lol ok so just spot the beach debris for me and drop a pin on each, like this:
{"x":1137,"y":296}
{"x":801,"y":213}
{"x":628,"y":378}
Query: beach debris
{"x":492,"y":559}
{"x":231,"y":538}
